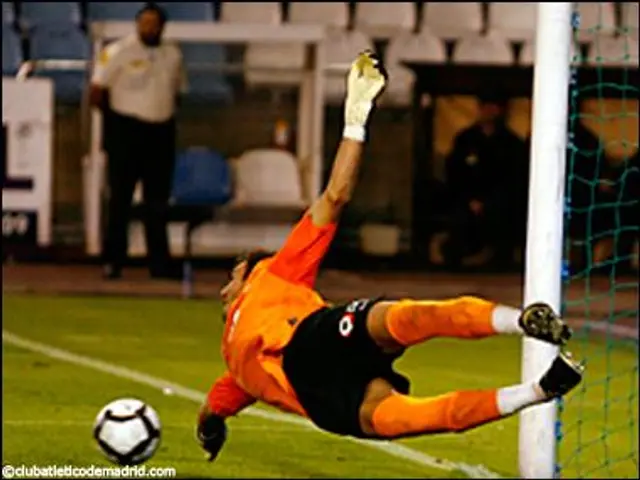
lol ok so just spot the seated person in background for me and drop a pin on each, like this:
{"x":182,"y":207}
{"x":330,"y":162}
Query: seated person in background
{"x":486,"y":176}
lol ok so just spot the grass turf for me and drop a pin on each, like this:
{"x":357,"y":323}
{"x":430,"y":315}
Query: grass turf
{"x":49,"y":405}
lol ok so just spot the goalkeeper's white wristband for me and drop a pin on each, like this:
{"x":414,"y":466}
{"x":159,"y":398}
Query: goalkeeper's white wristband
{"x":354,"y":132}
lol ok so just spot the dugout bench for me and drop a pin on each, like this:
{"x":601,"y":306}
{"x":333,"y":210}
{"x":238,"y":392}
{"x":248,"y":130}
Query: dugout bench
{"x":437,"y":79}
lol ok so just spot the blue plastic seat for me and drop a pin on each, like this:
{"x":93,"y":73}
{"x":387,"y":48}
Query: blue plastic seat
{"x":188,"y":11}
{"x":115,"y":11}
{"x":12,"y":56}
{"x":61,"y":41}
{"x":204,"y":82}
{"x":8,"y":13}
{"x":35,"y":13}
{"x":201,"y":177}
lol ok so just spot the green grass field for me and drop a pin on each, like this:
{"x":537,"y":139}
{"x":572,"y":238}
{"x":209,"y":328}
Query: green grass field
{"x":49,"y":404}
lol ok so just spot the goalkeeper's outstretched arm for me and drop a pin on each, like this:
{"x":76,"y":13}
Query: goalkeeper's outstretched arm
{"x":299,"y":258}
{"x":327,"y":208}
{"x":365,"y":82}
{"x":225,"y":399}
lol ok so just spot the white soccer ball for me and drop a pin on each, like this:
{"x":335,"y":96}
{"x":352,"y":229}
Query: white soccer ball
{"x":127,"y":431}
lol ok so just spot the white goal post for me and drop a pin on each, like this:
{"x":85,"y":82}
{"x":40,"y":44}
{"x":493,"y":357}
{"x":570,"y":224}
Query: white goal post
{"x":309,"y":141}
{"x":537,"y":436}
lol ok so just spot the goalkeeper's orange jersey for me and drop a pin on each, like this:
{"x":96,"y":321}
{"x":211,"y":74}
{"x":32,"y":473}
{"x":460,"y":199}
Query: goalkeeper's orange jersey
{"x":260,"y":322}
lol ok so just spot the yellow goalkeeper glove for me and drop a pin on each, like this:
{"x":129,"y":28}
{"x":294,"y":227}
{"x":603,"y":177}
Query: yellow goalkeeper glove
{"x":366,"y":81}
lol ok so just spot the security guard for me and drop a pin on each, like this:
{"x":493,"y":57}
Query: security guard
{"x":136,"y":84}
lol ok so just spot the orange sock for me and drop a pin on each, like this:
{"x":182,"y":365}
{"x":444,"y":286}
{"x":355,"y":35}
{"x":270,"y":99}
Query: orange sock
{"x":402,"y":416}
{"x":410,"y":322}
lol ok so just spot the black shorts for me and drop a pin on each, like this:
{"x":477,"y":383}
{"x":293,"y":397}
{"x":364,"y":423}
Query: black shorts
{"x":331,"y":360}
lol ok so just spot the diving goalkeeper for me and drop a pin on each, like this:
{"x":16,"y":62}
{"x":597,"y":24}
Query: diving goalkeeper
{"x":285,"y":346}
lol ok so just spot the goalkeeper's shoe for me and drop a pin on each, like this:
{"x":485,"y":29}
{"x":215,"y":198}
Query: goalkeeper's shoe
{"x":563,"y":375}
{"x":539,"y":321}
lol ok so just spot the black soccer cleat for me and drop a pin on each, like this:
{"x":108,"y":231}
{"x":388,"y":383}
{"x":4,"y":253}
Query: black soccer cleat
{"x":563,"y":375}
{"x":539,"y":321}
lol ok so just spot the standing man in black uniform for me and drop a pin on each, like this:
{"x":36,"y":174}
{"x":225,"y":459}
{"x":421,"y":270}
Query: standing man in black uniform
{"x":135,"y":83}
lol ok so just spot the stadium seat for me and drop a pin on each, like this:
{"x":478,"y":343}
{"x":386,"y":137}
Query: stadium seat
{"x":421,"y":47}
{"x":527,"y":54}
{"x":8,"y":13}
{"x":204,"y":82}
{"x":341,"y":49}
{"x":284,"y":56}
{"x":487,"y":49}
{"x":266,"y":13}
{"x":267,"y":177}
{"x":597,"y":18}
{"x":201,"y":177}
{"x":331,"y":14}
{"x":383,"y":20}
{"x":35,"y":13}
{"x":101,"y":11}
{"x":61,"y":41}
{"x":452,"y":20}
{"x":613,"y":52}
{"x":11,"y":51}
{"x":513,"y":21}
{"x":629,"y":18}
{"x":188,"y":11}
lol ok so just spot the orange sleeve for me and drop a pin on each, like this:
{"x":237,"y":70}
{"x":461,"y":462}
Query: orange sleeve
{"x":226,"y":398}
{"x":299,"y":259}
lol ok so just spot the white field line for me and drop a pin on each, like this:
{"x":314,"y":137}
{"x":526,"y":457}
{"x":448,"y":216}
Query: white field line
{"x":393,"y":449}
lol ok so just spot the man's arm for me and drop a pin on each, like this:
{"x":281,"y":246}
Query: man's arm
{"x":326,"y":209}
{"x":105,"y":70}
{"x":182,"y":80}
{"x":299,"y":259}
{"x":366,"y":81}
{"x":225,"y":399}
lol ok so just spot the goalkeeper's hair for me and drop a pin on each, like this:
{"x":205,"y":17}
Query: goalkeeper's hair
{"x":252,"y":258}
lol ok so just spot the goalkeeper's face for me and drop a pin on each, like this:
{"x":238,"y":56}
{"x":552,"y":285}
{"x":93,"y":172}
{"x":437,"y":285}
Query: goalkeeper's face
{"x":233,"y":287}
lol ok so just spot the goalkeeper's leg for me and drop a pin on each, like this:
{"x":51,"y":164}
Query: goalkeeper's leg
{"x":388,"y":414}
{"x":397,"y":325}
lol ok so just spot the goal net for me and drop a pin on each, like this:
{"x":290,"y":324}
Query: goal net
{"x":597,"y":431}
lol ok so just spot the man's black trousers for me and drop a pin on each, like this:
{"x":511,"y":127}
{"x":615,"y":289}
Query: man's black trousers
{"x":143,"y":151}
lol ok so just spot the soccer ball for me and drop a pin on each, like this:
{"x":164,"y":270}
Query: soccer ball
{"x":127,"y":431}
